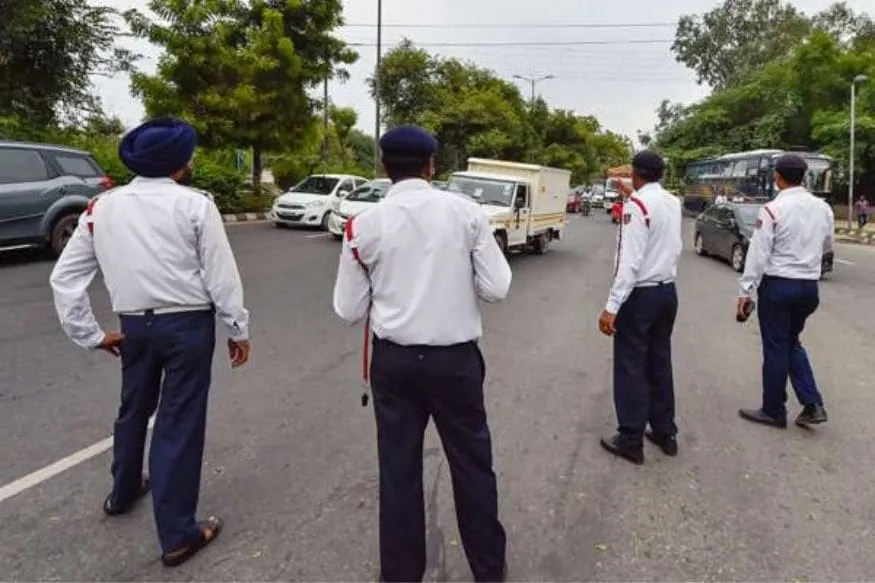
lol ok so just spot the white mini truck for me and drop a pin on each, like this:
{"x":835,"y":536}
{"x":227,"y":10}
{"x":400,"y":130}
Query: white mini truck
{"x":525,"y":202}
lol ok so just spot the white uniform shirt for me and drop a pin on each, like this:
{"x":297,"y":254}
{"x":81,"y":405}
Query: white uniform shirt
{"x":790,"y":237}
{"x":430,"y":255}
{"x":159,"y":245}
{"x":650,"y":243}
{"x":719,"y":199}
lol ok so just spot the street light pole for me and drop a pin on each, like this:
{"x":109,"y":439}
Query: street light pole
{"x":377,"y":165}
{"x":534,"y":81}
{"x":857,"y":79}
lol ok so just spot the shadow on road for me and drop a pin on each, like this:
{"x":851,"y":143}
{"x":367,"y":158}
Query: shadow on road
{"x":24,"y":257}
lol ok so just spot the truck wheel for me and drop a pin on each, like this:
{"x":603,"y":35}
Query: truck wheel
{"x":62,"y":232}
{"x":501,"y":239}
{"x":542,"y":242}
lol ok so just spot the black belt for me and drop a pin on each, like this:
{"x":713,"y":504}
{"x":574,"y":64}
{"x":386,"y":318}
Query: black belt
{"x":389,"y":344}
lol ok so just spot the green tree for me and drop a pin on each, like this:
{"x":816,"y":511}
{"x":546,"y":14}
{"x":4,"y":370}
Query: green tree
{"x":731,"y":41}
{"x":49,"y":49}
{"x":343,"y":120}
{"x":473,"y":112}
{"x":801,"y":100}
{"x":240,"y":71}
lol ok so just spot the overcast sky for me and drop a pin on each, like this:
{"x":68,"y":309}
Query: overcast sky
{"x":621,"y":83}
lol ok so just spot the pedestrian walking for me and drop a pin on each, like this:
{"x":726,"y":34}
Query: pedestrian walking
{"x":640,"y":313}
{"x":414,"y":267}
{"x":783,"y":267}
{"x":168,"y":267}
{"x":862,"y":208}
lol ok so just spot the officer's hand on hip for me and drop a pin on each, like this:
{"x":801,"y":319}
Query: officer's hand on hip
{"x":111,"y":343}
{"x":238,"y":352}
{"x":606,"y":323}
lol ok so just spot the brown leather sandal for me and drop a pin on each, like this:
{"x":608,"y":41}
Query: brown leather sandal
{"x":210,"y":529}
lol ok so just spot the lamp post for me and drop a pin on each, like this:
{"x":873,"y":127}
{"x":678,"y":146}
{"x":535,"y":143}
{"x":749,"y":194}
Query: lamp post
{"x":857,"y":79}
{"x":534,"y":81}
{"x":377,"y":165}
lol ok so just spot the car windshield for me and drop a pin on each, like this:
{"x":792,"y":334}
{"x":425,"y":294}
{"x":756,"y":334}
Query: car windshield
{"x":370,"y":192}
{"x":483,"y":190}
{"x":747,"y":214}
{"x":322,"y":185}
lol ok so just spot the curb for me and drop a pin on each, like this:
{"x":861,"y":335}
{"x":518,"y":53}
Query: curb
{"x":855,"y":236}
{"x":245,"y":217}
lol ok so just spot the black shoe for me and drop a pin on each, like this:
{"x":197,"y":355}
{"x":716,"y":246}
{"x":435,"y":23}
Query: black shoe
{"x":619,"y":446}
{"x":811,"y":415}
{"x":667,"y":443}
{"x":759,"y":416}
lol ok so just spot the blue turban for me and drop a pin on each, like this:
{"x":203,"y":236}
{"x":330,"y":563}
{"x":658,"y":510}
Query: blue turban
{"x":158,"y":148}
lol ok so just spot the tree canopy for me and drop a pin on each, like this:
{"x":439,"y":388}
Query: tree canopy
{"x":799,"y":97}
{"x":472,"y":112}
{"x":49,"y":49}
{"x":241,"y":72}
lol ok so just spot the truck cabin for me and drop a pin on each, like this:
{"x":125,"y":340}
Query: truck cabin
{"x":497,"y":191}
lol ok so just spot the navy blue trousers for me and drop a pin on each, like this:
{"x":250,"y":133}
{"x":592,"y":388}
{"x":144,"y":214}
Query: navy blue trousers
{"x":784,"y":306}
{"x":168,"y":356}
{"x":411,"y":384}
{"x":643,"y":378}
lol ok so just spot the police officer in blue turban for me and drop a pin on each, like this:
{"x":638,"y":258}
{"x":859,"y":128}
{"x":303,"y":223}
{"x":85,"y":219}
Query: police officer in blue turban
{"x":169,"y":270}
{"x":415,"y":267}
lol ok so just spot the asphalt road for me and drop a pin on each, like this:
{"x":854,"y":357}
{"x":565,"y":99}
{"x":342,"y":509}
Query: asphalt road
{"x":291,"y":467}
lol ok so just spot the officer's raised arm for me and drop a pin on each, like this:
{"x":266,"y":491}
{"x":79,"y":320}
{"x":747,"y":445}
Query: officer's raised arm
{"x":220,"y":273}
{"x":352,"y":289}
{"x":71,"y":276}
{"x":630,"y":253}
{"x":492,"y":273}
{"x":758,"y":254}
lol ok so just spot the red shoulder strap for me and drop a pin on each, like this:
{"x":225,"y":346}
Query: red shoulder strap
{"x":89,"y":212}
{"x":366,"y":344}
{"x":352,"y":247}
{"x":643,"y":208}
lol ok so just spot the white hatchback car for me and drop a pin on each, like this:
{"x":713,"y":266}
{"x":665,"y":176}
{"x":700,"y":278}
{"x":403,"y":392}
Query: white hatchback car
{"x":358,"y":200}
{"x":310,"y":202}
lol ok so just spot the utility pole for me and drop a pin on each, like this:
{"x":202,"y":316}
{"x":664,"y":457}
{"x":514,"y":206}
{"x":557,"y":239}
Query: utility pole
{"x":325,"y":121}
{"x":377,"y":165}
{"x":534,"y":81}
{"x":857,"y":79}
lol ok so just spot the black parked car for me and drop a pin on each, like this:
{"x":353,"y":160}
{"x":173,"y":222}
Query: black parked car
{"x":724,"y":230}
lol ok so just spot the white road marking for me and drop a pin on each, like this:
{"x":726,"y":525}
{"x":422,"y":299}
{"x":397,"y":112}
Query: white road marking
{"x":317,"y":236}
{"x":38,"y":477}
{"x":845,"y":262}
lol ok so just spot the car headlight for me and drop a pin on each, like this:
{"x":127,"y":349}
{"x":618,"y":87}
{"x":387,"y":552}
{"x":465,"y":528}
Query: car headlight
{"x":313,"y":204}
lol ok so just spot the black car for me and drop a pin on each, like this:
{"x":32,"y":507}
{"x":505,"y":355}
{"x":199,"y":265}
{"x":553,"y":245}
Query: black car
{"x":724,"y":230}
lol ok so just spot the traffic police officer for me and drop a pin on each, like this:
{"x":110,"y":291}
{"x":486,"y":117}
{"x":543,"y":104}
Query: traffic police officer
{"x":415,"y":266}
{"x":783,"y":265}
{"x":641,"y":311}
{"x":168,"y":267}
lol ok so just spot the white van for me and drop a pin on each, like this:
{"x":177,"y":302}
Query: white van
{"x":525,"y":202}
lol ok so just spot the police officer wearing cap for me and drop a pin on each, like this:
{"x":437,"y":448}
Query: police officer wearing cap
{"x":415,"y":266}
{"x":783,"y":267}
{"x":168,"y":267}
{"x":641,"y":311}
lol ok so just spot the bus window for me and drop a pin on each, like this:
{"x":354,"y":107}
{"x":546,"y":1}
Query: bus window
{"x":739,"y":169}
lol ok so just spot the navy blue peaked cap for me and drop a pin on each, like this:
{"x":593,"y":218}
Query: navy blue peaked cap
{"x":408,"y":140}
